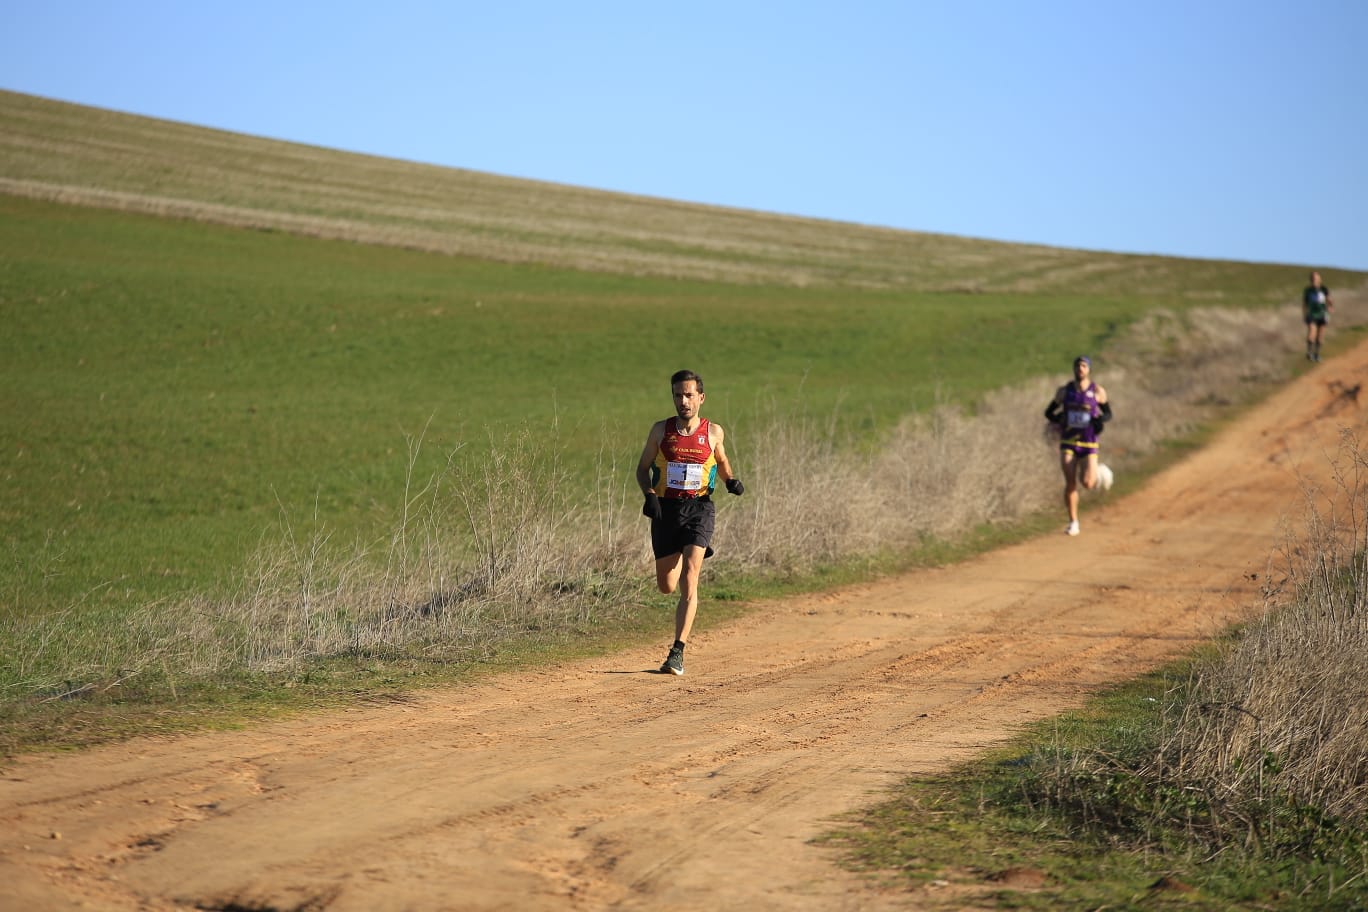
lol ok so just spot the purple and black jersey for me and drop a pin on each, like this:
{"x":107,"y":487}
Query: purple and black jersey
{"x":1080,"y":408}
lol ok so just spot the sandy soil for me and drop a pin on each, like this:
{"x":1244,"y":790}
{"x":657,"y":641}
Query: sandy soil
{"x":602,"y":784}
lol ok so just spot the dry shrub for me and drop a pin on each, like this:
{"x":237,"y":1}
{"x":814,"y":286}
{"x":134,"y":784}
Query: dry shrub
{"x":1172,"y":372}
{"x":506,"y":545}
{"x":814,"y":499}
{"x":1258,"y":757}
{"x":1283,"y":708}
{"x":480,"y":554}
{"x":485,"y":552}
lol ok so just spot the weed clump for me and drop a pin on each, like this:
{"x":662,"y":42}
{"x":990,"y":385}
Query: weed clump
{"x":506,"y":552}
{"x":1255,"y":759}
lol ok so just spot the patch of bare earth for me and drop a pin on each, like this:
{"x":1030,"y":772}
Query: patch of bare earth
{"x":601,"y":784}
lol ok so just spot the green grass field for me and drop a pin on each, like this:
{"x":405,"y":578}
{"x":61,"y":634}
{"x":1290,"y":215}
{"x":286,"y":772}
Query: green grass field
{"x":172,"y":389}
{"x":208,"y":336}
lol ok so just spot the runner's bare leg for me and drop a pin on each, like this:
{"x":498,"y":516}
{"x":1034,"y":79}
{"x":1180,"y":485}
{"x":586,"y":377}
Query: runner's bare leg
{"x":688,"y":591}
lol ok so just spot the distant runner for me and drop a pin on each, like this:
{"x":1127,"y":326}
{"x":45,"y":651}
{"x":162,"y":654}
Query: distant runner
{"x":678,"y":470}
{"x":1316,"y":308}
{"x":1081,"y":409}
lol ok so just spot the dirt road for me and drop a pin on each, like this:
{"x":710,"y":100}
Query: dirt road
{"x":604,"y":785}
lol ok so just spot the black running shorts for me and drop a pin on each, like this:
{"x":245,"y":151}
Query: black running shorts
{"x":681,"y":523}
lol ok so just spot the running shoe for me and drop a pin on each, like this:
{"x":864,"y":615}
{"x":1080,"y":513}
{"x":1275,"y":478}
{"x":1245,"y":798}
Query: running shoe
{"x":674,"y":663}
{"x":1070,"y":529}
{"x":1105,"y":477}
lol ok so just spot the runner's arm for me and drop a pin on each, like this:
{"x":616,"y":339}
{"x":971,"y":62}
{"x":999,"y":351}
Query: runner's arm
{"x":1053,"y":411}
{"x":648,"y":455}
{"x":1104,"y":412}
{"x":724,"y":470}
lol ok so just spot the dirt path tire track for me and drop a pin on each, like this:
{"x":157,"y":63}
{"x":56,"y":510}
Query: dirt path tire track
{"x":602,"y":785}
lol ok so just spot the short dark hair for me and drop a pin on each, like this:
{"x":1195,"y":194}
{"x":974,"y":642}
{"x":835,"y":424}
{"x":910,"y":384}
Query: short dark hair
{"x":686,"y":375}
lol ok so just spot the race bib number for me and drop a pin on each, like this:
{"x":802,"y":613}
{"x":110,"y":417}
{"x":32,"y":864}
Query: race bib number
{"x":683,"y":476}
{"x":1079,"y":418}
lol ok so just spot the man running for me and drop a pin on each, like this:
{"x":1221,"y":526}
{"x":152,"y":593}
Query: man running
{"x":1080,"y":408}
{"x":679,"y":466}
{"x":1316,"y":308}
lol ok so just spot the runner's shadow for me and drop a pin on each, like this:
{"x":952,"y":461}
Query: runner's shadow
{"x":640,"y":671}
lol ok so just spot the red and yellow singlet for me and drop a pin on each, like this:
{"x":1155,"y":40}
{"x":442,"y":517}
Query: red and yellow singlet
{"x":685,"y":467}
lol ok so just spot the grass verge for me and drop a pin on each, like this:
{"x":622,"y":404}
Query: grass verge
{"x":506,"y":561}
{"x":1235,"y":779}
{"x":1010,"y":831}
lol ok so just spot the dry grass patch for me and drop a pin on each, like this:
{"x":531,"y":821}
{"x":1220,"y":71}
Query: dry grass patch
{"x":487,"y":552}
{"x":1282,"y":709}
{"x":1237,"y":779}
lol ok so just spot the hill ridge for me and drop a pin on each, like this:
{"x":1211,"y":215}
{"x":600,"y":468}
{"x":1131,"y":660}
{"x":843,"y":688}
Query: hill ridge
{"x":70,"y":153}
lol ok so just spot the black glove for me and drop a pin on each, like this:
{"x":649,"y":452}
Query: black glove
{"x":1102,"y":418}
{"x":651,"y":508}
{"x":734,"y":486}
{"x":1053,"y":414}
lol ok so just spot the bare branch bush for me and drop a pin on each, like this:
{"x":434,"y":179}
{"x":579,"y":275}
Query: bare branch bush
{"x":816,"y":499}
{"x":1257,"y":753}
{"x":511,"y":543}
{"x":1283,"y":708}
{"x":482,"y":552}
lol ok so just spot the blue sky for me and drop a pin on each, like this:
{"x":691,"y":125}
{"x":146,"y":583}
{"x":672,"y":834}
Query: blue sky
{"x":1198,"y":128}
